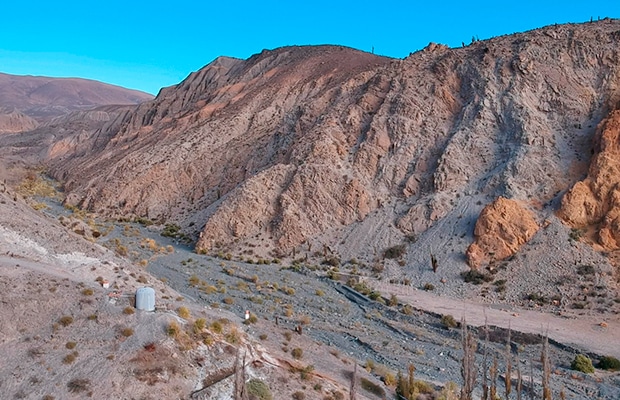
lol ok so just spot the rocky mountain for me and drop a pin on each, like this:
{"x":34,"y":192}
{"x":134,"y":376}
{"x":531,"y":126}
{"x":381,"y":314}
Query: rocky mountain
{"x":337,"y":147}
{"x":27,"y":101}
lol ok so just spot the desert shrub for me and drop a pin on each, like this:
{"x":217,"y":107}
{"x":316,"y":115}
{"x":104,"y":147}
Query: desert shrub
{"x":331,"y":261}
{"x":585,"y":270}
{"x":393,"y":301}
{"x":199,"y":325}
{"x":263,"y":336}
{"x":476,"y":277}
{"x":252,"y":320}
{"x":173,"y":329}
{"x":65,"y":320}
{"x":258,"y":389}
{"x":372,"y":387}
{"x":298,"y":395}
{"x":233,"y":336}
{"x":127,"y":332}
{"x":78,"y":385}
{"x":583,"y":364}
{"x":395,"y":251}
{"x":184,"y":312}
{"x":88,"y":292}
{"x":428,"y":286}
{"x":297,"y":353}
{"x":216,"y":327}
{"x":128,"y":310}
{"x":194,"y":280}
{"x":69,"y":358}
{"x":575,"y":234}
{"x":171,"y":230}
{"x":389,"y":379}
{"x":448,"y":321}
{"x":70,"y":345}
{"x":228,"y":300}
{"x":609,"y":363}
{"x":319,"y":292}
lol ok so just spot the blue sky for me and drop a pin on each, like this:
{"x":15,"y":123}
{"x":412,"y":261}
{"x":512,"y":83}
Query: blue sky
{"x":148,"y":45}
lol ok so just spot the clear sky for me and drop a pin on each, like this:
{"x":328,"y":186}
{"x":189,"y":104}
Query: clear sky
{"x":148,"y":45}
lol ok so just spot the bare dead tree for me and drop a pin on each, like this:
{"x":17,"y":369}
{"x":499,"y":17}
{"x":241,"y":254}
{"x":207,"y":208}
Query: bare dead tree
{"x":546,"y":365}
{"x":353,"y":389}
{"x":508,"y":376}
{"x":468,"y":366}
{"x":519,"y":377}
{"x":434,"y":262}
{"x":493,"y":373}
{"x":485,"y":362}
{"x":239,"y":389}
{"x":531,"y":379}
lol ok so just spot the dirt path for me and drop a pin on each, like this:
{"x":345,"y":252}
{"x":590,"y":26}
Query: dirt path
{"x":7,"y":261}
{"x":592,"y":334}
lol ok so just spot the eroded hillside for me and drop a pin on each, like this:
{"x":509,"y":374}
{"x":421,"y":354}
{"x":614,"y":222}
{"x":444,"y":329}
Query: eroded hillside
{"x":301,"y":142}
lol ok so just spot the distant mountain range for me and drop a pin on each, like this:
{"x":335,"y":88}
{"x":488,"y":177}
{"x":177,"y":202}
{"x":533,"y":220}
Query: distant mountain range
{"x":27,"y":101}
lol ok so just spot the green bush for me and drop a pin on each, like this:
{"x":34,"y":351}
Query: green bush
{"x":258,"y":389}
{"x":609,"y":363}
{"x":583,"y":364}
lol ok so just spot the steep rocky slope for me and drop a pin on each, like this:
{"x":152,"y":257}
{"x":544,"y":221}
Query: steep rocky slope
{"x":335,"y":147}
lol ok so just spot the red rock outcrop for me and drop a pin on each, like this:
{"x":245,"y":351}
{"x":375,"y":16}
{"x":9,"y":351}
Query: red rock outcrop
{"x":501,"y":229}
{"x":595,"y":201}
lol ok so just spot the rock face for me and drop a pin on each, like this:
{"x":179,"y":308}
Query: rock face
{"x":502,"y":228}
{"x":595,"y":201}
{"x":328,"y":146}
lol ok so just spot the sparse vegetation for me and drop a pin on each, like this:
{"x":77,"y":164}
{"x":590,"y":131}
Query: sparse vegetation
{"x":582,"y":363}
{"x":448,"y":321}
{"x":65,"y":320}
{"x":372,"y":387}
{"x":183,"y":312}
{"x":128,"y":310}
{"x":298,"y":395}
{"x":476,"y":277}
{"x":70,"y":358}
{"x":395,"y":251}
{"x":297,"y":353}
{"x":126,"y":332}
{"x":258,"y":390}
{"x":585,"y":270}
{"x":88,"y":292}
{"x":609,"y":363}
{"x":78,"y":385}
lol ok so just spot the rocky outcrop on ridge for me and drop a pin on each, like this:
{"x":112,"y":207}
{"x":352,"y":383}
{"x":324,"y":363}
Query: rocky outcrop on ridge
{"x":14,"y":121}
{"x":595,"y":201}
{"x":328,"y":146}
{"x":502,"y":228}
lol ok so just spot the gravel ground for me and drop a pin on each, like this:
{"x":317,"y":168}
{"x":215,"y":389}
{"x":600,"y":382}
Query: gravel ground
{"x":332,"y":318}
